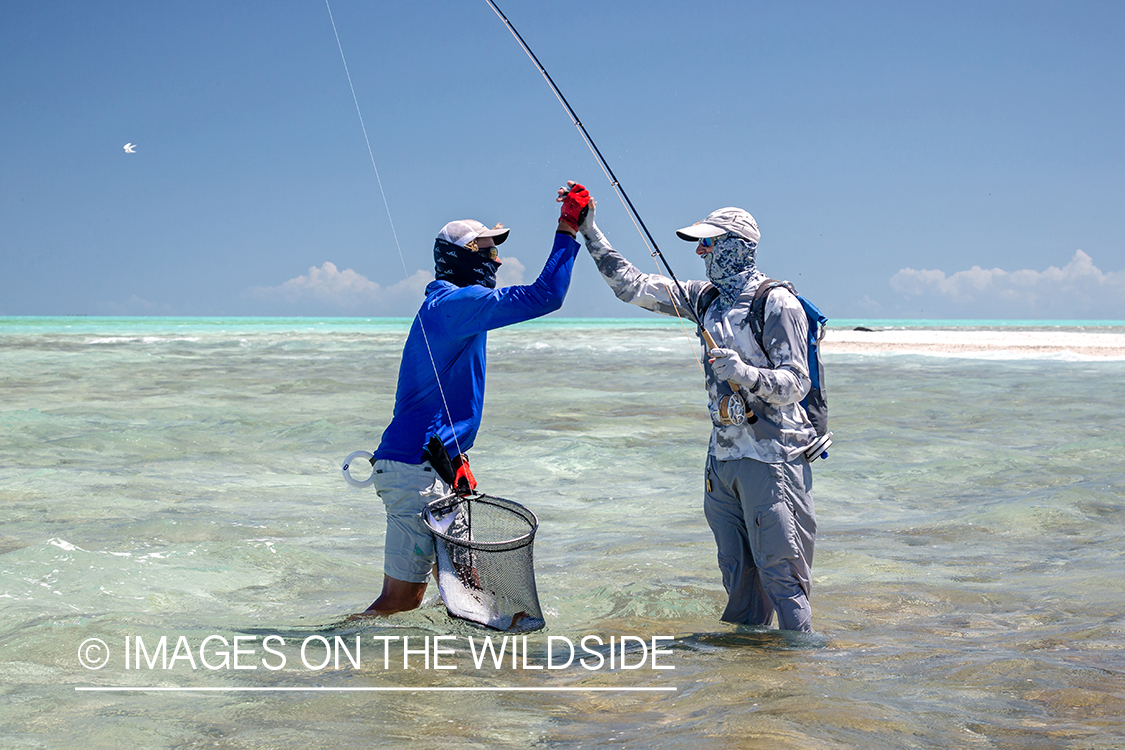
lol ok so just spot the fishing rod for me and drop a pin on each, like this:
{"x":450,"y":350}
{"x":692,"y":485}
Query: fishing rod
{"x":733,"y":409}
{"x":601,"y":161}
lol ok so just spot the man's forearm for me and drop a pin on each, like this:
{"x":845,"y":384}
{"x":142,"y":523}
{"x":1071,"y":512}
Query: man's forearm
{"x":649,"y":291}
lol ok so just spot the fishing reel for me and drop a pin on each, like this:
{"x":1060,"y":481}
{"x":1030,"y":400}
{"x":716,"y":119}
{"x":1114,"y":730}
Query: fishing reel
{"x":732,"y":406}
{"x":732,"y":410}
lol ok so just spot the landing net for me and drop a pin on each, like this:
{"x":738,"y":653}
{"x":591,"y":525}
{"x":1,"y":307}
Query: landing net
{"x":486,"y":573}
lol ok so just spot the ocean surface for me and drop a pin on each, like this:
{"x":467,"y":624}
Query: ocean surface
{"x":180,"y":479}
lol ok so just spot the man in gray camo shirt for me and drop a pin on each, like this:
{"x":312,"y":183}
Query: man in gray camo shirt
{"x":757,"y":480}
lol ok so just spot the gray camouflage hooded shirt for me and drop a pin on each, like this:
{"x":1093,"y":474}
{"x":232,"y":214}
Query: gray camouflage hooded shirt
{"x":783,"y":430}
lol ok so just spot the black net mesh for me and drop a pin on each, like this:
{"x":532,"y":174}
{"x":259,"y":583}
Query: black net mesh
{"x":486,"y":573}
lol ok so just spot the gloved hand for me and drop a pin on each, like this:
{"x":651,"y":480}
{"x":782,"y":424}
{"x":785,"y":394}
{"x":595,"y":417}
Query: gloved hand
{"x":587,"y":226}
{"x":463,"y":480}
{"x":575,"y":201}
{"x":728,"y":366}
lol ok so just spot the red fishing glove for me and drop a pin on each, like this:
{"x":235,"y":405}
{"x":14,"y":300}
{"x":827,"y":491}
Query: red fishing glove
{"x":575,"y":206}
{"x":464,"y":483}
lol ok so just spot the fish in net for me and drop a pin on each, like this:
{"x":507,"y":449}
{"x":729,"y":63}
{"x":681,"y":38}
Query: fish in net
{"x":486,"y":573}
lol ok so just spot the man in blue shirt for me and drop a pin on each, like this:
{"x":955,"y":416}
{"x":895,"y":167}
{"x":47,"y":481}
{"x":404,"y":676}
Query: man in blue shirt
{"x":436,"y":418}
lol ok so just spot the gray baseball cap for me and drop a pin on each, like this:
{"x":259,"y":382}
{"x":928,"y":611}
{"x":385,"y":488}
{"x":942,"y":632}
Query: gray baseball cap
{"x":724,"y":220}
{"x":464,"y":231}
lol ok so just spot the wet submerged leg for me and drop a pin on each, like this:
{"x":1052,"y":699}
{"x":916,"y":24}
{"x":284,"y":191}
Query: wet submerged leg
{"x":779,"y":524}
{"x":747,"y":599}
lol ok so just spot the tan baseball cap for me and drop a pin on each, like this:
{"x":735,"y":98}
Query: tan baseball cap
{"x":730,"y":219}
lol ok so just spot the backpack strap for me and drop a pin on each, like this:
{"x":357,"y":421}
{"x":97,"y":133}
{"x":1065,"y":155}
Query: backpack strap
{"x":758,"y":310}
{"x":709,"y":295}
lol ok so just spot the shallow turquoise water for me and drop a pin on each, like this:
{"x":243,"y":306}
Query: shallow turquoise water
{"x":181,"y":478}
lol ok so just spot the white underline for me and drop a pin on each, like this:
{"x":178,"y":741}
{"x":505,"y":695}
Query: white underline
{"x":376,"y":689}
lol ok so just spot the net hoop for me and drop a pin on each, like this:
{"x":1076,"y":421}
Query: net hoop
{"x":450,"y":502}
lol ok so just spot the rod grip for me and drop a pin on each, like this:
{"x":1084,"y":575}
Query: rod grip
{"x":712,"y":345}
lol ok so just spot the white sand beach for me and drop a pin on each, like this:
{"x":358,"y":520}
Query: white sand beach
{"x":978,"y":343}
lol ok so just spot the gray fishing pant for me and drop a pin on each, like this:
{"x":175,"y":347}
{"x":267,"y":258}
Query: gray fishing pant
{"x":764,"y":523}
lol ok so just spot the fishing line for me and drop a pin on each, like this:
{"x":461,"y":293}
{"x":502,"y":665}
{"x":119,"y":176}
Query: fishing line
{"x":632,"y":212}
{"x":732,"y":408}
{"x":401,"y":257}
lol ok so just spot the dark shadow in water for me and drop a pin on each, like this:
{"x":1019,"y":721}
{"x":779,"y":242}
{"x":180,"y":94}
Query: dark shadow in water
{"x":750,"y":636}
{"x":431,"y":618}
{"x":417,"y":623}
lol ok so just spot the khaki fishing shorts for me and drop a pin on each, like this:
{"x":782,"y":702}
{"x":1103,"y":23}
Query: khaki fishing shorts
{"x":406,"y":490}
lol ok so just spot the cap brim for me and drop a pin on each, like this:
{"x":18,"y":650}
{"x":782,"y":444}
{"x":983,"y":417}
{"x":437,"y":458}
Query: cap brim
{"x":498,"y":235}
{"x":699,"y":231}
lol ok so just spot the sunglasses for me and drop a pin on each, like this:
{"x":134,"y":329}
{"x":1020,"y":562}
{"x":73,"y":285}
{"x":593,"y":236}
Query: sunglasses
{"x":710,"y":241}
{"x":491,"y":252}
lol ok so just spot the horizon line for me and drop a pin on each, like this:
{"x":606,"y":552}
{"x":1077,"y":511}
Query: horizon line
{"x":551,"y":319}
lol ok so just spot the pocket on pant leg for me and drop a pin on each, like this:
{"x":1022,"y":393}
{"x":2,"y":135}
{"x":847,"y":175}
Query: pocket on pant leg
{"x":775,"y":535}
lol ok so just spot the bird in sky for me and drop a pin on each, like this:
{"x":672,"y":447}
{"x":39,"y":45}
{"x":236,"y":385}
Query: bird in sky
{"x":130,"y":148}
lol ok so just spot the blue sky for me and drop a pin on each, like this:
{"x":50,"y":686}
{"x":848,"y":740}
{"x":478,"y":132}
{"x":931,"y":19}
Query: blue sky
{"x":903,"y":160}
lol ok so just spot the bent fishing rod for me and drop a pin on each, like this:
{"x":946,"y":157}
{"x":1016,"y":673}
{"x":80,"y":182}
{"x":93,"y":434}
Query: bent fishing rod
{"x":634,"y":215}
{"x":731,"y":408}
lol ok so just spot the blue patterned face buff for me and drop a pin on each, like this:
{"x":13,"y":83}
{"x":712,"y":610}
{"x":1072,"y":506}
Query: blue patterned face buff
{"x":730,"y":266}
{"x":462,"y":266}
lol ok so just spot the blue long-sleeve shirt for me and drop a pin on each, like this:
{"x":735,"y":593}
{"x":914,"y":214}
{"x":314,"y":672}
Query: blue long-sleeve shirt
{"x":452,"y":327}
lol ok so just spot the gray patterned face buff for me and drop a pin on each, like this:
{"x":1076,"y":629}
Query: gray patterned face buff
{"x":729,"y":266}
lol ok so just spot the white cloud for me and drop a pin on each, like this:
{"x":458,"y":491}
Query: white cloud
{"x":510,"y":273}
{"x":1077,"y":290}
{"x":869,"y":307}
{"x":329,"y":291}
